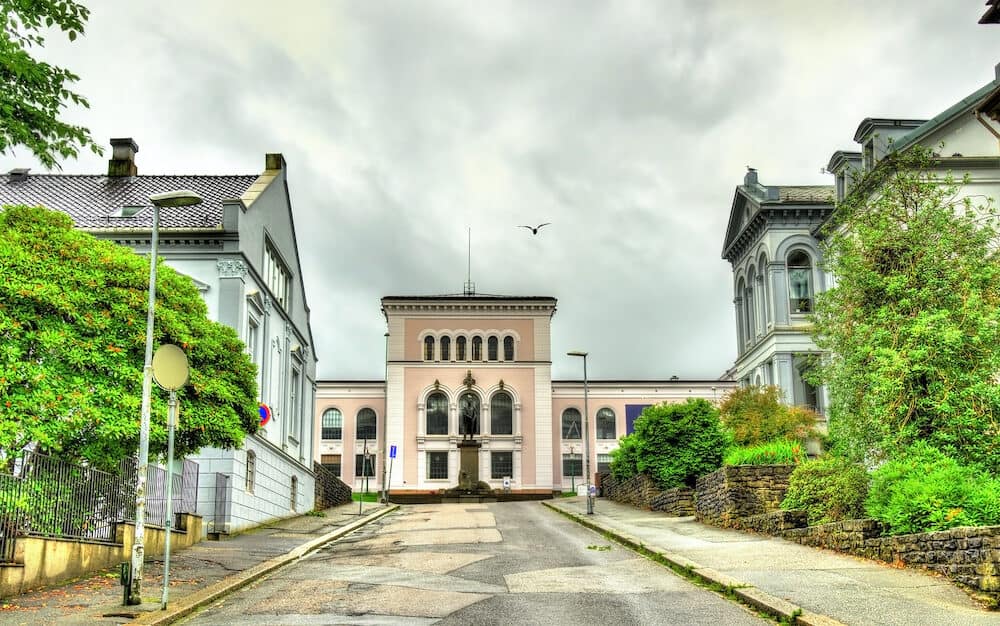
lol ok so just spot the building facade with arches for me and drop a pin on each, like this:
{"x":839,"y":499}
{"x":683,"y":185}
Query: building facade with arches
{"x":477,"y":365}
{"x":776,"y":259}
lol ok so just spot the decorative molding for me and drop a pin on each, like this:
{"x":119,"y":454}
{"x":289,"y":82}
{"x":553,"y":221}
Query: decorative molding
{"x":231,"y":268}
{"x":469,"y":381}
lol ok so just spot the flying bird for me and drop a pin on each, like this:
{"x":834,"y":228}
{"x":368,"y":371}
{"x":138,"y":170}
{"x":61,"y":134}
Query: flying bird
{"x":534,"y":229}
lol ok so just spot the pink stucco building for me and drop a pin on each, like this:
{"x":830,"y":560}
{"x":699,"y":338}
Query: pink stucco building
{"x":478,"y":363}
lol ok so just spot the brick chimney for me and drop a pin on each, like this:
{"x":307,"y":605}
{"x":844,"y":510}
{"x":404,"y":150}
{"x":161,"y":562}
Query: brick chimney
{"x":122,"y":162}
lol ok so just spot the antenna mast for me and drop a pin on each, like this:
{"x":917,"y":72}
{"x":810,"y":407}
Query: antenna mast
{"x":470,"y":287}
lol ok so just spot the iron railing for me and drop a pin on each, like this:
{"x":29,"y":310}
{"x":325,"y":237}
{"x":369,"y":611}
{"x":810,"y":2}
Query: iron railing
{"x":46,"y":496}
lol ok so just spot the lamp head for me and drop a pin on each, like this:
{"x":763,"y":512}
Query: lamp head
{"x":577,"y":353}
{"x":181,"y":197}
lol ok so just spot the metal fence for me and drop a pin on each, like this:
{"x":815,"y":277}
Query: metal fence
{"x":49,"y":497}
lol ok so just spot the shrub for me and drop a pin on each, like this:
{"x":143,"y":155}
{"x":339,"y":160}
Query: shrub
{"x":624,"y":458}
{"x":756,"y":415}
{"x":777,"y":452}
{"x":923,"y":489}
{"x":828,"y":490}
{"x":676,"y":443}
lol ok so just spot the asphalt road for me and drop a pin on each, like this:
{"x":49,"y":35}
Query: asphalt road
{"x":505,"y":563}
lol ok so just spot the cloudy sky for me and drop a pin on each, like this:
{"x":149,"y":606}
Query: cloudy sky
{"x":625,"y":124}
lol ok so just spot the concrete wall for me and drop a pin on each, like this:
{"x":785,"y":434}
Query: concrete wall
{"x":44,"y":561}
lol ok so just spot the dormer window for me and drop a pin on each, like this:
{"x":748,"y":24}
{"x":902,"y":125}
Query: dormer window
{"x":868,"y":155}
{"x":129,"y":210}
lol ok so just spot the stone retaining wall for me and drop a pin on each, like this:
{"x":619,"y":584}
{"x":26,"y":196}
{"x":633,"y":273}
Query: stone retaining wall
{"x":330,"y":490}
{"x":738,"y":491}
{"x":640,"y":491}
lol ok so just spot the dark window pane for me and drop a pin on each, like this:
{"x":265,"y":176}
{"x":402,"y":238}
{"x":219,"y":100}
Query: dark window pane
{"x":369,"y":467}
{"x":603,"y":463}
{"x":508,"y":348}
{"x":445,"y":348}
{"x":460,"y":349}
{"x":477,"y":348}
{"x":437,"y":465}
{"x":572,"y":465}
{"x":331,"y":462}
{"x":366,"y":424}
{"x":333,"y":423}
{"x":571,"y":424}
{"x":491,"y":347}
{"x":437,"y":414}
{"x":501,"y":464}
{"x":428,"y":348}
{"x":606,"y":424}
{"x":502,"y":414}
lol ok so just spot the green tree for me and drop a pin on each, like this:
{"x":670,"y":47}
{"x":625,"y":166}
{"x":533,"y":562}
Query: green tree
{"x":913,"y":322}
{"x":677,"y":443}
{"x":756,"y":415}
{"x":33,"y":93}
{"x":72,"y":341}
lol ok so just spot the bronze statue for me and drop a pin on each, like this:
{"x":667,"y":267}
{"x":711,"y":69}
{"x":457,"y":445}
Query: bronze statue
{"x":470,"y":415}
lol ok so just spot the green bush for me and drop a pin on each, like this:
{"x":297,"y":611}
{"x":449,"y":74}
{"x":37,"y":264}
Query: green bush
{"x":677,"y":443}
{"x":828,"y":490}
{"x":624,"y":460}
{"x":777,"y":452}
{"x":923,"y":489}
{"x":756,"y":415}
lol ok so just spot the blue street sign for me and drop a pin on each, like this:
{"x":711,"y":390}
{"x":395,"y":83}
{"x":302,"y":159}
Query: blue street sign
{"x":392,"y":451}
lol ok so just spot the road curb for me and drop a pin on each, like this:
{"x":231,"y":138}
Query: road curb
{"x":741,"y":591}
{"x":190,"y":603}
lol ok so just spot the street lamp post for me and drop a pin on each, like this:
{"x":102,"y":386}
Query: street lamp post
{"x":169,"y":199}
{"x":586,"y":431}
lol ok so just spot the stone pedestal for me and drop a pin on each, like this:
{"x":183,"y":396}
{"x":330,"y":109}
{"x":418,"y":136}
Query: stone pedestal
{"x":468,"y":468}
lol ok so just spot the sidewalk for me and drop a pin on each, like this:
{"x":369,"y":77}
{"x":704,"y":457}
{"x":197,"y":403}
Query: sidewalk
{"x":198,"y":574}
{"x":785,"y":578}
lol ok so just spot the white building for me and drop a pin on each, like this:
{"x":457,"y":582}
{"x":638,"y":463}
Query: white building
{"x":239,"y":248}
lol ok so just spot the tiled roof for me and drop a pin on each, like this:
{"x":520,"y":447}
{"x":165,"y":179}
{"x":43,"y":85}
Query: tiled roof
{"x":806,"y":193}
{"x":91,"y":201}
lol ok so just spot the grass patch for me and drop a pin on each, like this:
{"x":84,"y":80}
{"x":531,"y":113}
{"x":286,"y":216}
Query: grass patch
{"x":316,"y":514}
{"x":599,"y":548}
{"x":371,"y":496}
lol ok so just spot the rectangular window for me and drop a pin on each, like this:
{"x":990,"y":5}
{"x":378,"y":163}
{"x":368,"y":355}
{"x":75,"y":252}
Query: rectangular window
{"x":295,"y":409}
{"x":572,"y":464}
{"x":501,"y":464}
{"x":276,"y":275}
{"x":603,"y":463}
{"x":437,"y":465}
{"x":331,"y":462}
{"x":368,"y":464}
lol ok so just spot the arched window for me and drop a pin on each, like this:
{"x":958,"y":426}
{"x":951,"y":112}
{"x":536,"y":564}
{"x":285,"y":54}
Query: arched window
{"x":502,"y":414}
{"x":606,"y":424}
{"x":508,"y":348}
{"x":437,"y":414}
{"x":492,"y":348}
{"x":800,"y":287}
{"x":571,"y":424}
{"x":428,"y":348}
{"x":294,"y":494}
{"x":751,"y":307}
{"x":251,"y":476}
{"x":763,"y":291}
{"x":477,"y":348}
{"x":366,"y":424}
{"x":460,"y":349}
{"x":468,"y":414}
{"x":333,"y":424}
{"x":445,"y":348}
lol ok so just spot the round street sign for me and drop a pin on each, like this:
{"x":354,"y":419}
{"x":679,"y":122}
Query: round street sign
{"x":170,"y":367}
{"x":265,"y":414}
